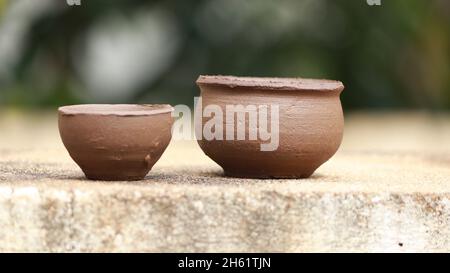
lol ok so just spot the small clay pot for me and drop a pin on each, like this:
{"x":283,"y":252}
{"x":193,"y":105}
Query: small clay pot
{"x":115,"y":142}
{"x":310,"y":124}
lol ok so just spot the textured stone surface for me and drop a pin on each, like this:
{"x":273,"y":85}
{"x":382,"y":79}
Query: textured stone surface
{"x":387,"y":189}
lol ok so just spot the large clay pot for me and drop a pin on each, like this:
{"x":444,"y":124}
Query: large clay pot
{"x":310,"y":124}
{"x":115,"y":142}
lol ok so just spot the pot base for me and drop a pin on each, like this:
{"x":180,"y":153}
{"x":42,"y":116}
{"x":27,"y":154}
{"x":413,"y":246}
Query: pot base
{"x":247,"y":175}
{"x":114,"y":177}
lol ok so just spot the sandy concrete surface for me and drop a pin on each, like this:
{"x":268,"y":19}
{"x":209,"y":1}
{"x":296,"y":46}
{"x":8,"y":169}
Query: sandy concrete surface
{"x":387,"y":189}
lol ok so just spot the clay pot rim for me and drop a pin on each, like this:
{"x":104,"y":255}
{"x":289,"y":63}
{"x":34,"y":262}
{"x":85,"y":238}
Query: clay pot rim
{"x":271,"y":83}
{"x":122,"y":110}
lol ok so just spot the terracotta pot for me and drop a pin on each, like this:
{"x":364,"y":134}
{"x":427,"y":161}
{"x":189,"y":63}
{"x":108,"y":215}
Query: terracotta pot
{"x":115,"y":142}
{"x":310,"y":124}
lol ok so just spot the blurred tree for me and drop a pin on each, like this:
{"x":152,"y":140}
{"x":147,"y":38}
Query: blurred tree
{"x":396,"y":55}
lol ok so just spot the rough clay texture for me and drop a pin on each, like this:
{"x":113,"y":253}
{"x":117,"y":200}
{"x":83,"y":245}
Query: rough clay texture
{"x":115,"y":142}
{"x":292,"y":84}
{"x":309,"y":130}
{"x":387,"y":189}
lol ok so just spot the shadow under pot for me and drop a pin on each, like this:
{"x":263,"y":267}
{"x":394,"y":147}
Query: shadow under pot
{"x":115,"y":142}
{"x":269,"y":127}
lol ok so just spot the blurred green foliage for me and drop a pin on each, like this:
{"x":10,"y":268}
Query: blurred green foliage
{"x":392,"y":56}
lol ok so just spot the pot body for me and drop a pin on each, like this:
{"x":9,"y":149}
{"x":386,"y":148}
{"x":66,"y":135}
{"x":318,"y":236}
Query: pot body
{"x":115,"y":148}
{"x":310,"y":131}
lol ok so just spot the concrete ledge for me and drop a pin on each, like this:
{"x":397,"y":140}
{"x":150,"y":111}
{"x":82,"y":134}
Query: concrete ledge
{"x":361,"y":200}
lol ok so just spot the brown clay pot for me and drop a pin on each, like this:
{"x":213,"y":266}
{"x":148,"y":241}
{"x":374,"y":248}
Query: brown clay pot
{"x":115,"y":142}
{"x":310,"y":124}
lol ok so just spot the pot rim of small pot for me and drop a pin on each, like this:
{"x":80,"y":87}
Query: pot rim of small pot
{"x":122,"y":110}
{"x":271,"y":83}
